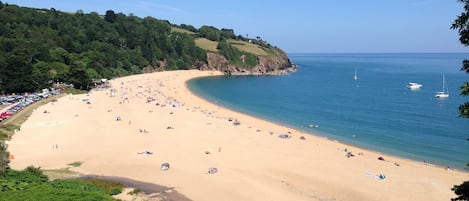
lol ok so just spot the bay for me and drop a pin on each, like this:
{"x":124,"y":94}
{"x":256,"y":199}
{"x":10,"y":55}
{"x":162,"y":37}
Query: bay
{"x":375,"y":112}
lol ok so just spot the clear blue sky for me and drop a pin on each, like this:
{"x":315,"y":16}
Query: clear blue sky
{"x":317,"y":26}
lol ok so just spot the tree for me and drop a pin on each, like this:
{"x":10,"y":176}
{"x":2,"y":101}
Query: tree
{"x":4,"y":154}
{"x":110,"y":16}
{"x":462,"y":191}
{"x":227,"y":33}
{"x":210,"y":33}
{"x":462,"y":25}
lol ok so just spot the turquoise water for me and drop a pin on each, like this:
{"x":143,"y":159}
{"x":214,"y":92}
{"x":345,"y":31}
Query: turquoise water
{"x":375,"y":112}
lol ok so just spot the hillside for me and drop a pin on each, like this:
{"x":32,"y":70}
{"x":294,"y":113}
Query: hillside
{"x":39,"y":47}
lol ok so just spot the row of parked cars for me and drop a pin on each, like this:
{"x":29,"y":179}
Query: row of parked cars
{"x":21,"y":101}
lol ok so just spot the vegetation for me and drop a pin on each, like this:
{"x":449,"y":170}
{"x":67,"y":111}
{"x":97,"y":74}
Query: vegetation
{"x":181,"y":30}
{"x":69,"y":90}
{"x":41,"y":46}
{"x":75,"y":164}
{"x":247,"y":47}
{"x":235,"y":56}
{"x":136,"y":191}
{"x":4,"y":154}
{"x":32,"y":184}
{"x":207,"y":44}
{"x":462,"y":25}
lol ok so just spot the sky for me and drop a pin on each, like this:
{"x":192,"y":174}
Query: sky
{"x":303,"y":26}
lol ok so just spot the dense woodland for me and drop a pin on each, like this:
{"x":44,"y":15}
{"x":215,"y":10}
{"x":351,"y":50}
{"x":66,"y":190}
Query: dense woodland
{"x":42,"y":46}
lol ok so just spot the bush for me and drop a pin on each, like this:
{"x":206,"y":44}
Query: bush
{"x":135,"y":191}
{"x":32,"y":184}
{"x":109,"y":187}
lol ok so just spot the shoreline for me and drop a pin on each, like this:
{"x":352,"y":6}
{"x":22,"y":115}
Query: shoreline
{"x":194,"y":134}
{"x":312,"y":133}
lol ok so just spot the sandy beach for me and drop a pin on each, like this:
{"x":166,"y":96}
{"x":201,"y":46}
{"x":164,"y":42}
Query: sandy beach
{"x":150,"y":119}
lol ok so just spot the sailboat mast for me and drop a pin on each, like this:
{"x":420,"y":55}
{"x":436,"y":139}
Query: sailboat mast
{"x":355,"y":77}
{"x":443,"y":83}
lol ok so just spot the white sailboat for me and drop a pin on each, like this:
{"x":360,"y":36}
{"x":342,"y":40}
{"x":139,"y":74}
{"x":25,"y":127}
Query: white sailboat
{"x":355,"y":77}
{"x":444,"y":93}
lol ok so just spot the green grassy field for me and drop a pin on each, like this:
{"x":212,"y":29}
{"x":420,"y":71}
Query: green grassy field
{"x":248,"y":47}
{"x":179,"y":30}
{"x":206,"y":44}
{"x":240,"y":45}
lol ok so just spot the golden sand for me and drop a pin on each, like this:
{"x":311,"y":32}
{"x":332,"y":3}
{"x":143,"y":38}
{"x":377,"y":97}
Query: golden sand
{"x":162,"y":121}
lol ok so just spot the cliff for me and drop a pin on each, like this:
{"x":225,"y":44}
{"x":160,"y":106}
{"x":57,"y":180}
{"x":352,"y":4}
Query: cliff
{"x":272,"y":64}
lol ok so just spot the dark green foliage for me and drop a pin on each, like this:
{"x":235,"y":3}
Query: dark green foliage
{"x":38,"y":47}
{"x":110,"y":16}
{"x":235,"y":56}
{"x":4,"y":154}
{"x":20,"y":180}
{"x":227,"y":34}
{"x":210,"y":32}
{"x":109,"y":187}
{"x":32,"y":184}
{"x":188,"y":27}
{"x":462,"y":25}
{"x":462,"y":191}
{"x":47,"y":192}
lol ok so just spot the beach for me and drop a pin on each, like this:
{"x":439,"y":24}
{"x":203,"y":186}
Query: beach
{"x":146,"y":120}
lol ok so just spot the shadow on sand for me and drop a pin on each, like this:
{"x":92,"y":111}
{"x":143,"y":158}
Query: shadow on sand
{"x":153,"y":190}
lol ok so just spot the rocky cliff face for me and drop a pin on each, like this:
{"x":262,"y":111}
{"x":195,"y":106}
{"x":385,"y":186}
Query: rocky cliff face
{"x":277,"y":64}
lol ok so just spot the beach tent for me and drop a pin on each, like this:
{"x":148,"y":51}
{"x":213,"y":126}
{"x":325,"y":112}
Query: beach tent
{"x":284,"y":136}
{"x":212,"y":170}
{"x":164,"y":166}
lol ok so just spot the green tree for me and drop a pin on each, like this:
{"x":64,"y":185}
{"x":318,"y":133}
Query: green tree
{"x":210,"y":33}
{"x":462,"y":25}
{"x":4,"y":154}
{"x":227,"y":34}
{"x":110,"y":16}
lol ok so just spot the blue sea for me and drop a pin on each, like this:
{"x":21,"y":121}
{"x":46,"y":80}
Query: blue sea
{"x":375,"y":112}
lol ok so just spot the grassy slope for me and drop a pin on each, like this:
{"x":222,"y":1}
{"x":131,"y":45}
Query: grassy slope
{"x":241,"y":45}
{"x":248,"y":47}
{"x":206,"y":44}
{"x":179,"y":30}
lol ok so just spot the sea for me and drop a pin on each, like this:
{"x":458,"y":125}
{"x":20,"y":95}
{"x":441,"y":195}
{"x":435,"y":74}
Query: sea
{"x":376,"y":111}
